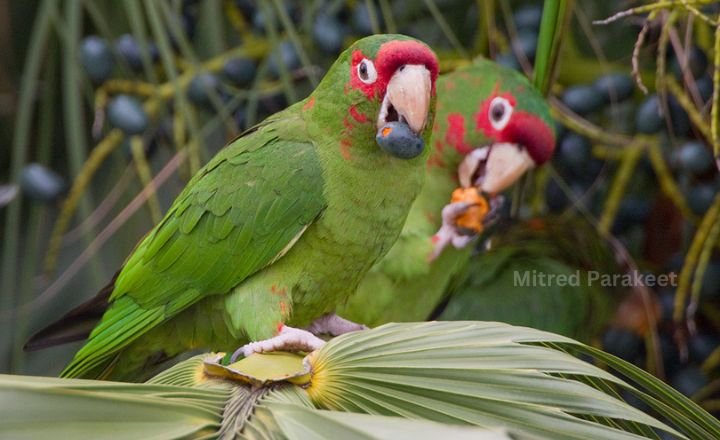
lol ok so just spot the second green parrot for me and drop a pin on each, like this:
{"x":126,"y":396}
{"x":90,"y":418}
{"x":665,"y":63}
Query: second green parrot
{"x":491,"y":127}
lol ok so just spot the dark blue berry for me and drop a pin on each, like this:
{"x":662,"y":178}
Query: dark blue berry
{"x":696,"y":62}
{"x":8,"y":194}
{"x":622,"y":343}
{"x":700,"y":197}
{"x":703,"y":345}
{"x":648,"y":118}
{"x":689,"y":380}
{"x":583,"y":99}
{"x":614,"y":87}
{"x":633,"y":211}
{"x":694,"y":158}
{"x":705,"y":87}
{"x":96,"y":58}
{"x":679,"y":119}
{"x":39,"y":182}
{"x":574,"y":151}
{"x":201,"y":87}
{"x":127,"y":113}
{"x":129,"y":48}
{"x":528,"y":17}
{"x":240,"y":71}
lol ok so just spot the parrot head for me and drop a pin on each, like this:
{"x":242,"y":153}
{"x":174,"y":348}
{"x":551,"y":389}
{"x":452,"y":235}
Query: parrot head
{"x":383,"y":79}
{"x":494,"y":123}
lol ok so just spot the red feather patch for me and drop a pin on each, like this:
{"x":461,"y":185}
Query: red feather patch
{"x":390,"y":57}
{"x":523,"y":128}
{"x":455,"y":135}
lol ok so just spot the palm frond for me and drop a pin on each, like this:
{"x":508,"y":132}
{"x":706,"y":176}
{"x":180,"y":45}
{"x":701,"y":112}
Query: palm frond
{"x":479,"y":373}
{"x":420,"y":380}
{"x":39,"y":408}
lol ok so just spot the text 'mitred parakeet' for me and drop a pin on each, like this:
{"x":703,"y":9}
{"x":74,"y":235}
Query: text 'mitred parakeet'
{"x":491,"y":126}
{"x":277,"y":229}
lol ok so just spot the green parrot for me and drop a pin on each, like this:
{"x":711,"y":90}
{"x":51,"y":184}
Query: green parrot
{"x":504,"y":284}
{"x":273,"y":232}
{"x":491,"y":126}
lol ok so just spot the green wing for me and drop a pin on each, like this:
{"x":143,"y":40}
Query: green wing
{"x":234,"y":218}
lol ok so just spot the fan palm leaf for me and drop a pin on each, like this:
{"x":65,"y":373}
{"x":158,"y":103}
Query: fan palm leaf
{"x":425,"y":380}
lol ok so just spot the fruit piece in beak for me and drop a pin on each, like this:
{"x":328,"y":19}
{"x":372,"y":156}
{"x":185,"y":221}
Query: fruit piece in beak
{"x":493,"y":169}
{"x":407,"y":97}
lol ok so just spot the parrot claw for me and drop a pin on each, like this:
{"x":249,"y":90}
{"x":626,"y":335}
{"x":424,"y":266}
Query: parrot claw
{"x":289,"y":339}
{"x":495,"y":212}
{"x":448,"y":232}
{"x":334,"y":325}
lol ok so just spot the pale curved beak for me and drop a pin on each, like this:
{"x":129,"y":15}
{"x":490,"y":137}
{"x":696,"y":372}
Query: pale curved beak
{"x":495,"y":168}
{"x":407,"y":98}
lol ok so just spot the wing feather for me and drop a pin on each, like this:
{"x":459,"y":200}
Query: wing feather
{"x":242,"y":210}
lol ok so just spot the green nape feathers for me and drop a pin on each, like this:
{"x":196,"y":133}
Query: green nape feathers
{"x":479,"y":105}
{"x":276,"y":230}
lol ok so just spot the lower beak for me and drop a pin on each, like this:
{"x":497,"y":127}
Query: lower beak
{"x":407,"y":98}
{"x":494,"y":169}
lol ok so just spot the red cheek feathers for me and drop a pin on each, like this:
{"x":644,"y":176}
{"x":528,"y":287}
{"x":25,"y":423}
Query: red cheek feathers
{"x":390,"y":57}
{"x":529,"y":130}
{"x":455,"y":135}
{"x":523,"y":128}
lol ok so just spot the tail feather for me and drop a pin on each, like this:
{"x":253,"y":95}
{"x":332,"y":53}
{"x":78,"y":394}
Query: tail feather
{"x":75,"y":325}
{"x":102,"y":371}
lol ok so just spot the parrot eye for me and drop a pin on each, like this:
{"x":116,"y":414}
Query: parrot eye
{"x":500,"y":112}
{"x":366,"y":71}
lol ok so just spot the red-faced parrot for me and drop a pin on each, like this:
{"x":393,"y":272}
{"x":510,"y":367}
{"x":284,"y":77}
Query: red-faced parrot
{"x":277,"y":229}
{"x":491,"y":127}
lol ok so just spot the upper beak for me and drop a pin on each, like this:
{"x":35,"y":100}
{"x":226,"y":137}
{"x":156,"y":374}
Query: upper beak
{"x":407,"y":98}
{"x":493,"y":169}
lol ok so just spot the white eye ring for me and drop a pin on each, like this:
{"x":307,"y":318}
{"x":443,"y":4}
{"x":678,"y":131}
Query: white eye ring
{"x":366,"y":71}
{"x":499,"y":112}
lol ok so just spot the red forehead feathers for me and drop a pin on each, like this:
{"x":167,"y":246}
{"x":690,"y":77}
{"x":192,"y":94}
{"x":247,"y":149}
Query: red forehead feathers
{"x":394,"y":54}
{"x":390,"y":57}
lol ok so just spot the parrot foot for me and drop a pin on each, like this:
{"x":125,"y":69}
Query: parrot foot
{"x":334,"y":325}
{"x":288,"y":339}
{"x":449,"y":232}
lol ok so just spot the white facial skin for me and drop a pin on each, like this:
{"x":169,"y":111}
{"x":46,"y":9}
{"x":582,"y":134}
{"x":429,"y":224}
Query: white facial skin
{"x":500,"y":113}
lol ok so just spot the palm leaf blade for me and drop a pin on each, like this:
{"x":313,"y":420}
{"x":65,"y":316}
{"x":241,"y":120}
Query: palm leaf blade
{"x":662,"y":398}
{"x":482,"y":374}
{"x":453,"y":379}
{"x":43,"y":408}
{"x":299,"y":422}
